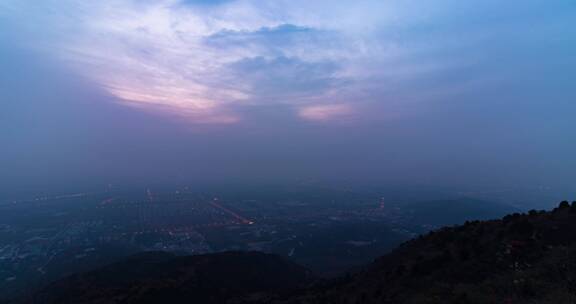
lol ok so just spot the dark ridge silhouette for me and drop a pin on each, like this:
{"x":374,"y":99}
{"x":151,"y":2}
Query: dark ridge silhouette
{"x":521,"y":258}
{"x":164,"y":278}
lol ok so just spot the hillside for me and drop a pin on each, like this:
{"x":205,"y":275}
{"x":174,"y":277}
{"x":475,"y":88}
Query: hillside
{"x":523,"y":258}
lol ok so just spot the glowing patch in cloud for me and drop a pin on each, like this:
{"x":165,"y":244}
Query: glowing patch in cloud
{"x":326,"y":112}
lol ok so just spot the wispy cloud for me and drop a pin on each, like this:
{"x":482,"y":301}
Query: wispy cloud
{"x":203,"y":59}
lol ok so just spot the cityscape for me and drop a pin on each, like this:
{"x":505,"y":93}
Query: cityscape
{"x":328,"y":230}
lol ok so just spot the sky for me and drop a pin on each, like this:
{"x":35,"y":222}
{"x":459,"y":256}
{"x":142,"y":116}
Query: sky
{"x":478,"y":92}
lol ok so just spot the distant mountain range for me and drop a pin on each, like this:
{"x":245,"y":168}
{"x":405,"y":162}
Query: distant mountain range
{"x":521,"y":258}
{"x":455,"y":211}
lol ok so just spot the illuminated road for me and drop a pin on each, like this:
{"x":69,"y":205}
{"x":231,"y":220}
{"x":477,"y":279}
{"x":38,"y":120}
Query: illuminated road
{"x":230,"y":212}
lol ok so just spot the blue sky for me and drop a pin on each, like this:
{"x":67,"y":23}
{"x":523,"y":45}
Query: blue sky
{"x":415,"y":90}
